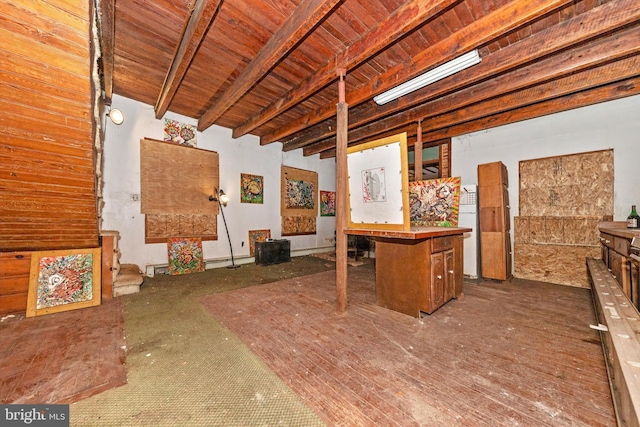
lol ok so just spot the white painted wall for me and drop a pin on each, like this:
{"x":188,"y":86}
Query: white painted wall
{"x":614,"y":124}
{"x":242,"y":155}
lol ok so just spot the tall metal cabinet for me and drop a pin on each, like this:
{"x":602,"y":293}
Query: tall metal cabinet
{"x":495,"y":239}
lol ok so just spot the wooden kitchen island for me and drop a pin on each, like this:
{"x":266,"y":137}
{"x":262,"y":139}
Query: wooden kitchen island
{"x":418,"y":270}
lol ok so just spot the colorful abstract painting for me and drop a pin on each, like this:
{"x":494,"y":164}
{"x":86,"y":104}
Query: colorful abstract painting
{"x":257,"y":236}
{"x":435,"y":202}
{"x":63,"y":280}
{"x":251,"y":188}
{"x":179,"y":133}
{"x":300,"y":194}
{"x":327,"y":203}
{"x":185,"y":255}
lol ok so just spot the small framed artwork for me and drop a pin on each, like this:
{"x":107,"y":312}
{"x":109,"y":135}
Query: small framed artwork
{"x":63,"y":280}
{"x":257,"y":236}
{"x":180,"y":133}
{"x":378,"y":181}
{"x":251,"y":188}
{"x":185,"y":255}
{"x":327,"y":203}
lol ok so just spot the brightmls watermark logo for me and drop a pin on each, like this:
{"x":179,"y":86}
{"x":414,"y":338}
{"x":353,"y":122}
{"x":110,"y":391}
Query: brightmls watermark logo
{"x":34,"y":415}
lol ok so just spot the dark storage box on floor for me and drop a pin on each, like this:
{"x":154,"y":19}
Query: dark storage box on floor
{"x":273,"y":252}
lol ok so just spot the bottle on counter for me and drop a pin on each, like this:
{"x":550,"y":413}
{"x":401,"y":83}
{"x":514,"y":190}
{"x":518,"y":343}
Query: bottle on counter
{"x":633,"y":220}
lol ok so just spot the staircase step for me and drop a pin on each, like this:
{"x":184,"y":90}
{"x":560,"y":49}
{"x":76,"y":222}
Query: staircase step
{"x":128,"y":280}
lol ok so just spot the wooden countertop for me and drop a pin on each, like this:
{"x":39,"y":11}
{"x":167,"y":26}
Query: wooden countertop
{"x":414,"y":233}
{"x":619,"y":229}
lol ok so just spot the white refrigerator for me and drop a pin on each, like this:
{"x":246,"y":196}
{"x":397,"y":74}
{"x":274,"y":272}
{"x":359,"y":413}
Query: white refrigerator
{"x":468,"y":217}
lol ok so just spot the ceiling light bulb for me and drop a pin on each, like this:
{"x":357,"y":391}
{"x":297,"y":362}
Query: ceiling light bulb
{"x":116,"y":116}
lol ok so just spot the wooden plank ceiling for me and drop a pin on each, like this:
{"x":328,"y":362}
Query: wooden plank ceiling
{"x":268,"y":67}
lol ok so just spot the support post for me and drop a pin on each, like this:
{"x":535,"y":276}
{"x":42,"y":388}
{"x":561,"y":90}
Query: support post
{"x":341,"y":196}
{"x":417,"y":154}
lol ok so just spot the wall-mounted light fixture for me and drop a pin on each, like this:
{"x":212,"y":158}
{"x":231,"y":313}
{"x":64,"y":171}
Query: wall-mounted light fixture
{"x":116,"y":116}
{"x":222,"y":199}
{"x":431,"y":76}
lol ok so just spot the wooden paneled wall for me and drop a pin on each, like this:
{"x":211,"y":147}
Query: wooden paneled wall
{"x":47,"y":156}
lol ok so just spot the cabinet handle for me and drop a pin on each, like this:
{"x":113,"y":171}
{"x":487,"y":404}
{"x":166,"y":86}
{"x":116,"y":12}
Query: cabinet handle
{"x":439,"y":276}
{"x":450,"y":271}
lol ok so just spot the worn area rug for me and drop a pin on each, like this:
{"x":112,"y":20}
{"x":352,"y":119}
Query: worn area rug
{"x":62,"y":357}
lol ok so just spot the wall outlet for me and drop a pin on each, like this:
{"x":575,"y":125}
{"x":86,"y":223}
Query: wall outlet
{"x":135,"y":197}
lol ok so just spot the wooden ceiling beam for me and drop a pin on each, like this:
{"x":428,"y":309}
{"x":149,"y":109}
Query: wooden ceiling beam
{"x":295,"y":29}
{"x":403,"y":20}
{"x":518,"y":83}
{"x":107,"y":31}
{"x":411,"y":137}
{"x":610,"y":81}
{"x":609,"y":92}
{"x":577,"y":30}
{"x":201,"y":16}
{"x":480,"y":32}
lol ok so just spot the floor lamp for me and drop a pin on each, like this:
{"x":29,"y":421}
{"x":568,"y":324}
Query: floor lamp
{"x":222,"y":200}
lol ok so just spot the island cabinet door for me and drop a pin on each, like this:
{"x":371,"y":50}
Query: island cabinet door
{"x":438,"y":280}
{"x":450,"y":275}
{"x":402,"y":275}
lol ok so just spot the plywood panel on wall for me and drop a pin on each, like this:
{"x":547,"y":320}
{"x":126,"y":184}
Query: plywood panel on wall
{"x":300,"y":175}
{"x":295,"y":220}
{"x":47,"y":159}
{"x":577,"y":184}
{"x":562,"y":200}
{"x":177,"y":179}
{"x":560,"y":264}
{"x":160,"y":227}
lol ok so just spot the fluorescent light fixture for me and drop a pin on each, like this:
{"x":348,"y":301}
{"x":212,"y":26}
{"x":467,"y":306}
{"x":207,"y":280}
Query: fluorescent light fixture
{"x":431,"y":76}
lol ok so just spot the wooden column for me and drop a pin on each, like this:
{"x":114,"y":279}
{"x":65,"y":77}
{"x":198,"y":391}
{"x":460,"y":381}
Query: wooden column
{"x":417,"y":154}
{"x":341,"y":196}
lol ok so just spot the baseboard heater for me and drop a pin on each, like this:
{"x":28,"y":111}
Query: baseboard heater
{"x":153,"y":269}
{"x":273,"y":252}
